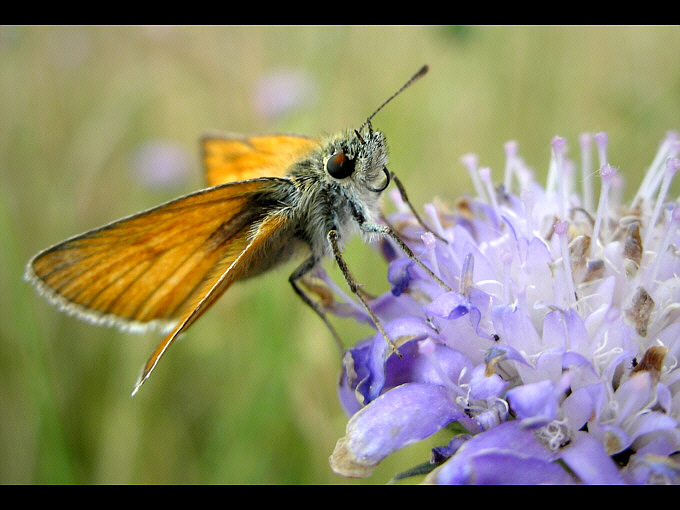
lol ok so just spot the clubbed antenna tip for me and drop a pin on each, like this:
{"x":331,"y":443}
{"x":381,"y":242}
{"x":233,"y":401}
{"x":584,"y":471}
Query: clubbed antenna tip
{"x":421,"y":72}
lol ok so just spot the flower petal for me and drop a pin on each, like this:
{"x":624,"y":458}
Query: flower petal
{"x":587,"y":458}
{"x":450,"y":305}
{"x":483,"y":385}
{"x":506,"y":454}
{"x":401,"y":416}
{"x":535,"y":404}
{"x":399,"y":276}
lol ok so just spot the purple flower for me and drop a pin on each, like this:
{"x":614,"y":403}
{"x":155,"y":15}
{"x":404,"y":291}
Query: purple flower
{"x":557,"y":350}
{"x":280,"y":92}
{"x":161,"y":164}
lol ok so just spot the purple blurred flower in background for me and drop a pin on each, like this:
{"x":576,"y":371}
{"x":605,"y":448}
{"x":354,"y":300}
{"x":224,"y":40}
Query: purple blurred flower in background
{"x":161,"y":164}
{"x":278,"y":92}
{"x":557,"y":351}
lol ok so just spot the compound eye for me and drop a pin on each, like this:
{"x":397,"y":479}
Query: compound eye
{"x":340,"y":166}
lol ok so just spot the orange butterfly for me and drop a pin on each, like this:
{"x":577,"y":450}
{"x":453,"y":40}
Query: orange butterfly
{"x":269,"y":197}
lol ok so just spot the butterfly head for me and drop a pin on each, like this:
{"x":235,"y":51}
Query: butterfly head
{"x":358,"y":160}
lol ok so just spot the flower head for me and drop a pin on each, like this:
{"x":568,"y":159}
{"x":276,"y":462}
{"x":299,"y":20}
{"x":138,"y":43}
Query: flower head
{"x":557,"y":349}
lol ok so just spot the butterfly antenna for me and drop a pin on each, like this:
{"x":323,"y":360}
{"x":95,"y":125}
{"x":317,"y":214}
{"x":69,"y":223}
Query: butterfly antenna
{"x":421,"y":72}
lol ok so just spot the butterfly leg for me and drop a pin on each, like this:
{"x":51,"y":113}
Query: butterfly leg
{"x":302,"y":270}
{"x":404,"y":197}
{"x":386,"y":231}
{"x":354,"y":287}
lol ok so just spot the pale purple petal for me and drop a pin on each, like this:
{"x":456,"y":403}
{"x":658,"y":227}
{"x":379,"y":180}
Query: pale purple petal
{"x":535,"y":404}
{"x":633,"y":394}
{"x":615,"y":439}
{"x":450,"y":305}
{"x":651,"y":422}
{"x":442,"y":365}
{"x":403,"y":415}
{"x":506,"y":352}
{"x":587,"y":458}
{"x":581,"y":405}
{"x":483,"y":385}
{"x":506,"y":454}
{"x":654,"y":469}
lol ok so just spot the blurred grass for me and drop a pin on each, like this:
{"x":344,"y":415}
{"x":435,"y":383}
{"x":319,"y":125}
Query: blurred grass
{"x":249,"y":395}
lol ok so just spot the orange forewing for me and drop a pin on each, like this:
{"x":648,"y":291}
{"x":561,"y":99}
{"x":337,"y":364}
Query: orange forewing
{"x":157,"y":265}
{"x":215,"y":288}
{"x":232,"y":158}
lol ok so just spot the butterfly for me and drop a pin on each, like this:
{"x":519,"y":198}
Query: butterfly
{"x":269,"y":198}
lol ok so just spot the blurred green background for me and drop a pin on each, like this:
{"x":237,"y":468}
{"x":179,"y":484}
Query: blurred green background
{"x":100,"y":122}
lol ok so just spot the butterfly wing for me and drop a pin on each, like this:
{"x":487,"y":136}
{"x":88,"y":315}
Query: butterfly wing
{"x":231,"y":158}
{"x":165,"y":265}
{"x":270,"y":227}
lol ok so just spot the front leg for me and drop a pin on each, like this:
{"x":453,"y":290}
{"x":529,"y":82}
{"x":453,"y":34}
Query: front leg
{"x":386,"y":231}
{"x":404,"y":197}
{"x":354,"y":287}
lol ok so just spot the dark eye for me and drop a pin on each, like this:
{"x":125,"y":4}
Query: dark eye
{"x":340,"y":166}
